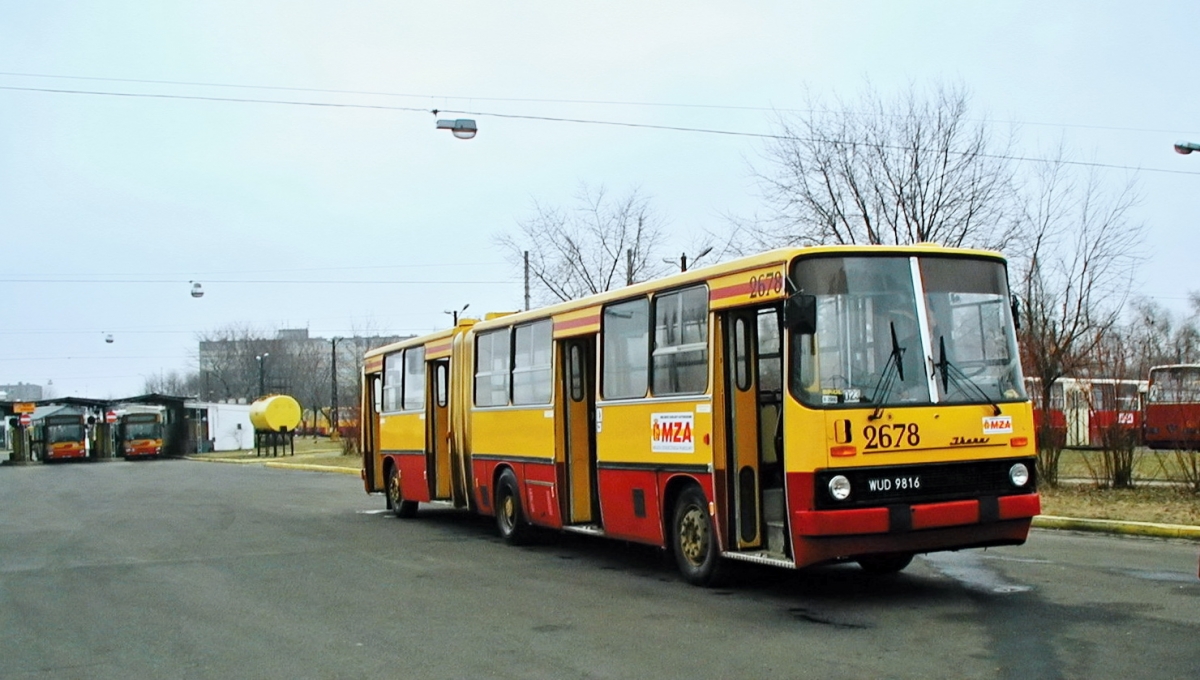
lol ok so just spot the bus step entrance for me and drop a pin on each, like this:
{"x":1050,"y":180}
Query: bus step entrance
{"x":774,"y":516}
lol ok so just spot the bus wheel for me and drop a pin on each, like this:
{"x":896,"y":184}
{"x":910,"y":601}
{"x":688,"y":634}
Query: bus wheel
{"x":510,"y":521}
{"x":395,"y":500}
{"x":694,"y":542}
{"x":889,"y":563}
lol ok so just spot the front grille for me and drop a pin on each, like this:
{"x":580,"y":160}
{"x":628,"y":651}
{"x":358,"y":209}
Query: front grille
{"x":910,"y":484}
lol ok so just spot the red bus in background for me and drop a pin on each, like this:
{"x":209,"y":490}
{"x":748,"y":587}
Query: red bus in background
{"x":64,"y":437}
{"x":1173,"y":407}
{"x":140,"y":435}
{"x":1082,"y":409}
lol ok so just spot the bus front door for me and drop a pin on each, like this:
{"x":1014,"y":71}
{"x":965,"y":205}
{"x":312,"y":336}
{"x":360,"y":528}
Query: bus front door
{"x":754,"y":425}
{"x":579,"y":413}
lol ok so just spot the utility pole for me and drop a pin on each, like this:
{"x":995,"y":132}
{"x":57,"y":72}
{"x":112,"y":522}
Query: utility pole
{"x":629,"y":266}
{"x":334,"y":421}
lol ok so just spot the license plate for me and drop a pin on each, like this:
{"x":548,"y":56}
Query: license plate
{"x":900,"y":483}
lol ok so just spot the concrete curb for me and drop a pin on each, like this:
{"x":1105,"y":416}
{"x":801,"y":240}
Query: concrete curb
{"x":314,"y":468}
{"x":1111,"y":526}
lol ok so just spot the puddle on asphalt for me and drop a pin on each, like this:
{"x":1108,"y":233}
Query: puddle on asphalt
{"x":972,"y":571}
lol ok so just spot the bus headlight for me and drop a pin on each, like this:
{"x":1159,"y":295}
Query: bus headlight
{"x":1018,"y":474}
{"x":839,"y":488}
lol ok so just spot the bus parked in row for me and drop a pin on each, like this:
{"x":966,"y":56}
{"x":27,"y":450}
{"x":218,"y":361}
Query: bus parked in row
{"x":140,"y":435}
{"x":64,"y":437}
{"x":797,"y":407}
{"x":1173,"y":407}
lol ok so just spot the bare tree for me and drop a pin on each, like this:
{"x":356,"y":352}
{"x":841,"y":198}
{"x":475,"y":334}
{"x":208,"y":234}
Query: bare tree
{"x":230,"y":365}
{"x":1153,"y":336}
{"x":913,"y":169}
{"x":600,"y":243}
{"x":1076,"y":269}
{"x":173,"y":383}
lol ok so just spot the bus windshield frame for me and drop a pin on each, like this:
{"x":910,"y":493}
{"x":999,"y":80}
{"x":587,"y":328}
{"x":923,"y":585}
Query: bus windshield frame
{"x":905,"y":330}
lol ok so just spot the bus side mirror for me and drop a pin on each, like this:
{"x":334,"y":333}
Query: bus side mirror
{"x":1015,"y":305}
{"x":800,"y":314}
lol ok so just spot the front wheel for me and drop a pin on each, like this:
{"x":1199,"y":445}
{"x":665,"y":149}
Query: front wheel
{"x":395,"y":500}
{"x":694,"y":542}
{"x":889,"y":563}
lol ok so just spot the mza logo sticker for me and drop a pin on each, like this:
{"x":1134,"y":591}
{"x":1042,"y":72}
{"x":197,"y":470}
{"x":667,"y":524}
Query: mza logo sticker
{"x":997,"y":425}
{"x":672,"y":432}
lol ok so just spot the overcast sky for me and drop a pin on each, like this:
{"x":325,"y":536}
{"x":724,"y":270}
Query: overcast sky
{"x":353,"y":219}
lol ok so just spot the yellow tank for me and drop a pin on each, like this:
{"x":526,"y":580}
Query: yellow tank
{"x":274,"y":413}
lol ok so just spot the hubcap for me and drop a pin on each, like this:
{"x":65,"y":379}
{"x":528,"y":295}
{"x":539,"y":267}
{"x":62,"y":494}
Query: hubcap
{"x":508,"y":511}
{"x":394,"y":490}
{"x":693,"y":535}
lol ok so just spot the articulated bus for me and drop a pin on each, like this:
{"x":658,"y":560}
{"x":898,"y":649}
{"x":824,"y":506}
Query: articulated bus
{"x":1173,"y":407}
{"x":140,"y":435}
{"x":64,"y":437}
{"x":793,"y":408}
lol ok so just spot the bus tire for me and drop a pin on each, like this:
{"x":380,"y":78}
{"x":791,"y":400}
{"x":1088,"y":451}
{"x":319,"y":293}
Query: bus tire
{"x":887,"y":563}
{"x":510,"y":519}
{"x":395,"y":499}
{"x":694,"y":541}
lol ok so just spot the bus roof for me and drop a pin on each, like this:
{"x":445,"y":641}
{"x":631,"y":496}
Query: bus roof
{"x":779,"y":255}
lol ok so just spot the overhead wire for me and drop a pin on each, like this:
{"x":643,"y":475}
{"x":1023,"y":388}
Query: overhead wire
{"x":585,"y":121}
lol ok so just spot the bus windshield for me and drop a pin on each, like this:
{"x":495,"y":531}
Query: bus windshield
{"x":1174,"y":385}
{"x":143,"y":431}
{"x":68,"y":432}
{"x":899,"y":330}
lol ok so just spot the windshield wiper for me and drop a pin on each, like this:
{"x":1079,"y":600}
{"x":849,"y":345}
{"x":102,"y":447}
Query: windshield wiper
{"x":951,"y":372}
{"x":892,"y":370}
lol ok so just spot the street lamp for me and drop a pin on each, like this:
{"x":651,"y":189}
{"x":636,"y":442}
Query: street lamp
{"x":1186,"y":147}
{"x":461,"y":128}
{"x":683,"y":259}
{"x":197,"y":289}
{"x":262,"y":365}
{"x":454,"y":313}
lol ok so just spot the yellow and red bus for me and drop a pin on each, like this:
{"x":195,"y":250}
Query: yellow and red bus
{"x":65,"y":437}
{"x":797,"y":407}
{"x":140,"y":435}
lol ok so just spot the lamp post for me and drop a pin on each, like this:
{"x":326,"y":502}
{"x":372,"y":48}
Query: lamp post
{"x":1186,"y":147}
{"x":454,"y":313}
{"x":334,"y":421}
{"x":262,"y":373}
{"x":683,"y":259}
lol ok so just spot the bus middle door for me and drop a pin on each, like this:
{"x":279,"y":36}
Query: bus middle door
{"x":437,"y":441}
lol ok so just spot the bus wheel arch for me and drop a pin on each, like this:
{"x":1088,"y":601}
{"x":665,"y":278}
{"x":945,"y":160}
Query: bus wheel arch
{"x":693,"y":538}
{"x":511,"y":522}
{"x":395,"y":497}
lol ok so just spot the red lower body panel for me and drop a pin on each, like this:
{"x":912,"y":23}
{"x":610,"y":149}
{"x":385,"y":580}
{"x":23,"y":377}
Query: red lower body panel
{"x":829,"y":535}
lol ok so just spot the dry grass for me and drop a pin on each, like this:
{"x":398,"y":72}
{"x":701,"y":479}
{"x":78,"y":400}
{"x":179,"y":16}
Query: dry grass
{"x":1148,"y":465}
{"x":1167,"y":505}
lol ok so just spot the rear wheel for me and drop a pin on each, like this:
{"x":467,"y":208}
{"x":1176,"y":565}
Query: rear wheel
{"x":694,"y":542}
{"x":510,"y":520}
{"x":395,"y":500}
{"x":889,"y":563}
